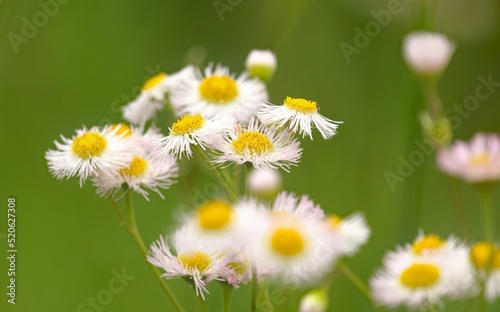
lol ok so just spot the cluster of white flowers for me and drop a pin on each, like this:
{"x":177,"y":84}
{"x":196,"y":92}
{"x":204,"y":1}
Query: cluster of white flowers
{"x":290,"y":240}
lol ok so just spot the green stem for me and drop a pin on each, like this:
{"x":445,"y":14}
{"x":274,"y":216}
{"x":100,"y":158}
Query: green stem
{"x":458,"y":207}
{"x":140,"y":243}
{"x":255,"y":289}
{"x":488,"y":219}
{"x":264,"y":295}
{"x":202,"y":303}
{"x":227,"y":292}
{"x":216,"y":172}
{"x":119,"y":215}
{"x":355,"y":279}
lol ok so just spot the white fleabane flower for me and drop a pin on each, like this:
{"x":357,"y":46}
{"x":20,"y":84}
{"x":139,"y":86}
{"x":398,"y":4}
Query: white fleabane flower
{"x":194,"y":130}
{"x":301,"y":116}
{"x":293,"y":248}
{"x":427,"y":53}
{"x":476,"y":161}
{"x":301,"y":207}
{"x":261,"y":64}
{"x":347,"y":235}
{"x":217,"y":91}
{"x":194,"y":260}
{"x":264,"y":147}
{"x":422,"y":274}
{"x":149,"y":101}
{"x":88,"y":152}
{"x":142,"y":172}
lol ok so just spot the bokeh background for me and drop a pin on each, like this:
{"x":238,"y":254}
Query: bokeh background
{"x":88,"y":58}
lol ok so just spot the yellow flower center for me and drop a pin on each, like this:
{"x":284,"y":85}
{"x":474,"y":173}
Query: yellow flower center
{"x":196,"y":260}
{"x":301,"y":105}
{"x":214,"y":214}
{"x":153,"y":81}
{"x":123,"y":130}
{"x":187,"y":124}
{"x":256,"y":143}
{"x":481,"y":254}
{"x":480,"y":159}
{"x":287,"y":242}
{"x":237,"y":267}
{"x":333,"y":221}
{"x":420,"y":275}
{"x":136,"y":168}
{"x":427,"y":242}
{"x":218,"y":89}
{"x":89,"y":144}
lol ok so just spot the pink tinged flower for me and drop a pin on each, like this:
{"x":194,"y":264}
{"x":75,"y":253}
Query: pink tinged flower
{"x":476,"y":161}
{"x":427,"y":53}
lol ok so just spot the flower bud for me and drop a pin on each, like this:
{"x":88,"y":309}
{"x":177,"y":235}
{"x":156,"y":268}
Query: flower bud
{"x":427,"y":53}
{"x":315,"y":300}
{"x":265,"y":183}
{"x":261,"y":64}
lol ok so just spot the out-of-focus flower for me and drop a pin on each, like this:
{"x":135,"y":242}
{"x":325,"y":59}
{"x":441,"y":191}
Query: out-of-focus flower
{"x":261,"y":64}
{"x":315,"y":300}
{"x":347,"y":235}
{"x":485,"y":259}
{"x":477,"y":161}
{"x":427,"y":53}
{"x":264,"y":183}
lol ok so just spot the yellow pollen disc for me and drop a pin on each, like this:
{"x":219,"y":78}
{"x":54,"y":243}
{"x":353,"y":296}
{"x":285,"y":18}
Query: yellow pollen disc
{"x":153,"y":81}
{"x":218,"y":89}
{"x":89,"y":144}
{"x":194,"y":260}
{"x":427,"y":242}
{"x":237,"y":267}
{"x":123,"y":130}
{"x":287,"y":242}
{"x":481,"y":254}
{"x":136,"y":167}
{"x":420,"y":275}
{"x":187,"y":124}
{"x":256,"y":143}
{"x":301,"y":105}
{"x":334,"y":221}
{"x":480,"y":159}
{"x":214,"y":214}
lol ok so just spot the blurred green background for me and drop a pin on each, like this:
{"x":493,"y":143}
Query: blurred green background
{"x":88,"y":58}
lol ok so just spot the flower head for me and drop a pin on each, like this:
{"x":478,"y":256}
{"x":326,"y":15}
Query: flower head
{"x":217,"y":91}
{"x":485,"y":259}
{"x":347,"y":235}
{"x":194,"y":130}
{"x":194,"y":260}
{"x":475,"y":162}
{"x":427,"y":53}
{"x":301,"y":115}
{"x":90,"y":151}
{"x":264,"y":147}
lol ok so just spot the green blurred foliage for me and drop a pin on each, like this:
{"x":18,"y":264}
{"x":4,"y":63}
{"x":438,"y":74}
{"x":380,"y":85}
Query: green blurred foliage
{"x":90,"y":58}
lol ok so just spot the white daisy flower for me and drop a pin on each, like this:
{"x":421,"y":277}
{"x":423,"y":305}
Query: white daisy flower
{"x":149,"y":101}
{"x":142,"y":172}
{"x":194,"y":260}
{"x":264,"y":147}
{"x":261,"y":64}
{"x":347,"y":235}
{"x":422,"y":274}
{"x":88,"y":152}
{"x":485,"y":259}
{"x":476,"y":161}
{"x":427,"y":53}
{"x":194,"y":130}
{"x":301,"y":115}
{"x":217,"y":91}
{"x":291,"y":247}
